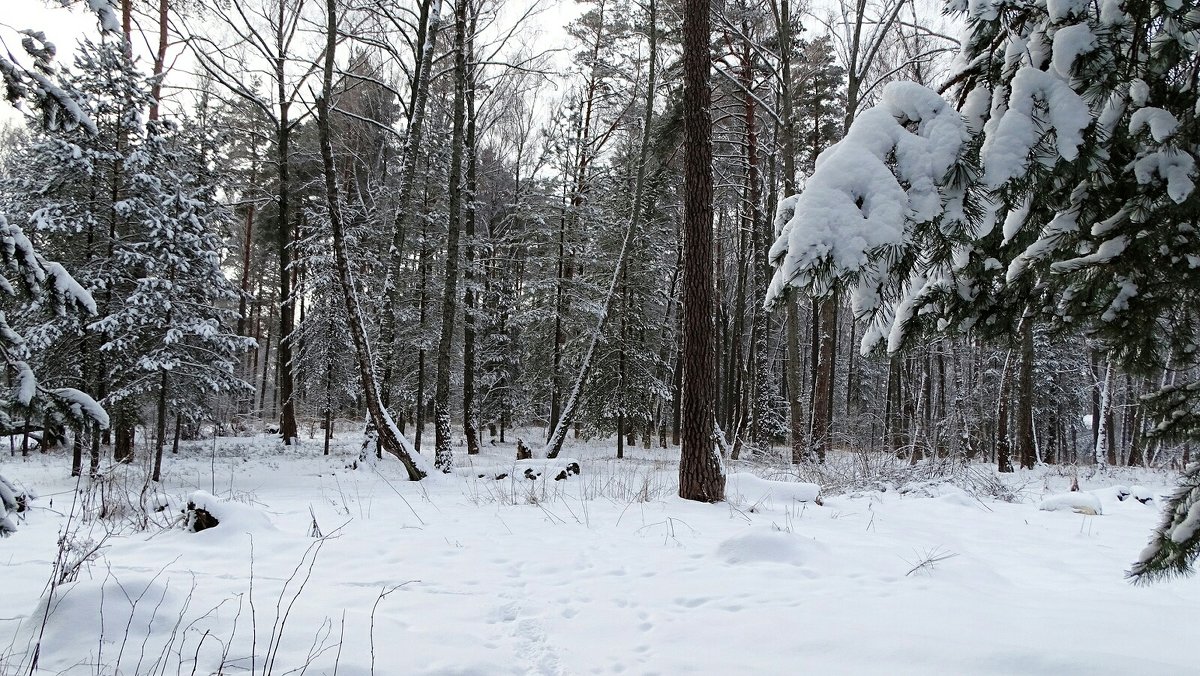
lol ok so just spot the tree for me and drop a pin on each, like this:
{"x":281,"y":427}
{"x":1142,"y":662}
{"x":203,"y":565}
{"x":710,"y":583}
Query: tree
{"x":172,"y":328}
{"x":636,"y":212}
{"x":390,"y":439}
{"x":701,"y":475}
{"x":34,"y":278}
{"x":263,"y":36}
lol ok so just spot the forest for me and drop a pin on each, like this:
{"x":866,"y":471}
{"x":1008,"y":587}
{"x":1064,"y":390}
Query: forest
{"x":791,"y":257}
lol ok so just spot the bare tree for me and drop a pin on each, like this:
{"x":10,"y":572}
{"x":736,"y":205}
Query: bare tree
{"x":261,"y":40}
{"x":390,"y":439}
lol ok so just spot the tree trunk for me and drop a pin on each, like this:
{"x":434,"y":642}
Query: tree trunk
{"x":822,"y":396}
{"x":1003,"y":460}
{"x":1104,"y":433}
{"x":427,"y":31}
{"x":701,"y":475}
{"x":283,"y":240}
{"x":390,"y":438}
{"x":160,"y":59}
{"x":1025,"y":434}
{"x":160,"y":427}
{"x":796,"y":428}
{"x":444,"y":453}
{"x":470,"y":406}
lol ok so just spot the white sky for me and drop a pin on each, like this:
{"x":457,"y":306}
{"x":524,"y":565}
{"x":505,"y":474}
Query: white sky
{"x":62,"y":26}
{"x":65,"y":26}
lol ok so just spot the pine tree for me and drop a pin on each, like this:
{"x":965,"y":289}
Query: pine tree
{"x":172,"y":330}
{"x":30,"y":283}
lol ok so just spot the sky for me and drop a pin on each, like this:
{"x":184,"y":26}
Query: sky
{"x":65,"y":26}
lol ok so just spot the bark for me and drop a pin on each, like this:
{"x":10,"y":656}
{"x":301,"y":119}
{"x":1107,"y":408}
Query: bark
{"x":1102,"y":449}
{"x":160,"y":58}
{"x":1003,"y":460}
{"x":160,"y":427}
{"x":795,"y":406}
{"x":470,"y":408}
{"x":783,"y":31}
{"x":1025,"y":434}
{"x":443,"y":453}
{"x":283,"y":239}
{"x":822,"y":398}
{"x":701,"y":475}
{"x":390,"y":439}
{"x":1137,"y":454}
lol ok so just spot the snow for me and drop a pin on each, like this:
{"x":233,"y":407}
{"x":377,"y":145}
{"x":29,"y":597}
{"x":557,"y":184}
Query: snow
{"x":607,"y":572}
{"x":886,"y":173}
{"x":1176,"y":166}
{"x":1070,"y":42}
{"x":1112,"y":12}
{"x":1065,"y":9}
{"x":232,"y":517}
{"x":770,"y":546}
{"x":1139,"y":92}
{"x":1079,"y":502}
{"x":109,"y":21}
{"x":743,"y":487}
{"x":1006,"y":149}
{"x":1107,"y":251}
{"x":1162,"y":123}
{"x":1188,"y":527}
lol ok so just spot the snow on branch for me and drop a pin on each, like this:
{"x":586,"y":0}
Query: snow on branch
{"x":891,"y":172}
{"x":110,"y":22}
{"x":1175,"y":544}
{"x":1012,"y":134}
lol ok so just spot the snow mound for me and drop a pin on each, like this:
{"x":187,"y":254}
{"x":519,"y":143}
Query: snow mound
{"x":766,"y":493}
{"x":1079,"y":502}
{"x":770,"y":547}
{"x":231,"y":516}
{"x":1125,"y":494}
{"x":1142,"y":494}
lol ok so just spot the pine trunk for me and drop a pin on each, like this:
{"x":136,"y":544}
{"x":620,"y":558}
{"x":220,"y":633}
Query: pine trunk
{"x":1025,"y":433}
{"x":470,"y":405}
{"x":160,"y":427}
{"x":701,"y":475}
{"x":1003,"y":459}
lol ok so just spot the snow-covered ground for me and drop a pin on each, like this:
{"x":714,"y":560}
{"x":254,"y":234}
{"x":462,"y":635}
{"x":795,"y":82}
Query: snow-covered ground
{"x":604,"y":572}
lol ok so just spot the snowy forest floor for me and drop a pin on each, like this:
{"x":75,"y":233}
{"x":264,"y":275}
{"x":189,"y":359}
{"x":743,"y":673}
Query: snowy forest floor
{"x":917,"y":571}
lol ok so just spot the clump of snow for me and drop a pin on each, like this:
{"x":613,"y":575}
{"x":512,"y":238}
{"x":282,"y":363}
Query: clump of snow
{"x":12,"y":502}
{"x":1080,"y":502}
{"x":1161,"y":122}
{"x":864,"y":194}
{"x":1006,"y":149}
{"x":1139,"y":92}
{"x":1071,"y":42}
{"x":770,"y":546}
{"x":743,"y":487}
{"x":231,"y":516}
{"x":1176,"y":166}
{"x":1142,"y":494}
{"x":1064,"y":9}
